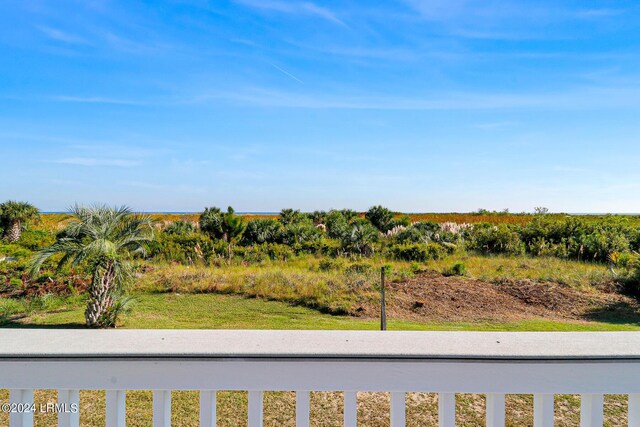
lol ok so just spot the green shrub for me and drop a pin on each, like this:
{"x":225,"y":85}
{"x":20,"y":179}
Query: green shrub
{"x":262,"y":230}
{"x":291,"y":216}
{"x":336,"y":224}
{"x":412,"y":235}
{"x":359,"y":238}
{"x":186,"y":249}
{"x":600,"y":244}
{"x":541,"y":247}
{"x":457,"y":269}
{"x":318,"y":217}
{"x":181,"y":228}
{"x":496,"y":239}
{"x":416,"y":268}
{"x":381,"y":218}
{"x":36,"y":239}
{"x":403,"y":220}
{"x":14,"y":250}
{"x":302,"y":236}
{"x":330,"y":248}
{"x":417,"y":252}
{"x":264,"y":252}
{"x":580,"y":238}
{"x":329,"y":264}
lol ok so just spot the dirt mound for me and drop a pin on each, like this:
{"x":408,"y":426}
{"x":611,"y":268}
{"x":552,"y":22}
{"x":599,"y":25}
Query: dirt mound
{"x":433,"y":297}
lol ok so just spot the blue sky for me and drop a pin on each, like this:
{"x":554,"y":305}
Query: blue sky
{"x":421,"y":105}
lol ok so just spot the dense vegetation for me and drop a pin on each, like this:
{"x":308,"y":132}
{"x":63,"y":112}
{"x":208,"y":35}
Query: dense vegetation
{"x":614,"y":240}
{"x":332,"y":256}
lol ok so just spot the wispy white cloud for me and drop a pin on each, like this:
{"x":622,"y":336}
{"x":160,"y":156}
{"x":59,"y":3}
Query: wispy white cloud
{"x":127,"y":45}
{"x":494,"y":20}
{"x":294,"y":8}
{"x":92,"y":161}
{"x":61,"y":36}
{"x":575,"y":99}
{"x":366,"y":52}
{"x":321,"y":12}
{"x":286,"y":73}
{"x":441,"y":9}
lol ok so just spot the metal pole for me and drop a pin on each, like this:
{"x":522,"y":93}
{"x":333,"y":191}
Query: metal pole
{"x":383,"y":303}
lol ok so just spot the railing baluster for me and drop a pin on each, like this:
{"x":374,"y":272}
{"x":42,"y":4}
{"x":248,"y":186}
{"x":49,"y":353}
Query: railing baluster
{"x":303,"y":406}
{"x":21,"y":418}
{"x":207,"y":408}
{"x":70,"y":399}
{"x":446,"y":410}
{"x":116,"y":408}
{"x":350,"y":409}
{"x":634,"y":410}
{"x":495,"y":410}
{"x":398,"y":409}
{"x":161,"y":408}
{"x":543,"y":410}
{"x":591,"y":410}
{"x":255,"y":409}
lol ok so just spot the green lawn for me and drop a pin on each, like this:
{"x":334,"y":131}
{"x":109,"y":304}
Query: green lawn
{"x":216,"y":311}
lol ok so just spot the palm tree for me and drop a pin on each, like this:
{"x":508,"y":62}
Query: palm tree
{"x":14,"y":216}
{"x":104,"y":239}
{"x":232,"y":228}
{"x":226,"y":226}
{"x":262,"y":230}
{"x":290,"y":216}
{"x":211,"y":222}
{"x":359,"y":238}
{"x":380,"y":217}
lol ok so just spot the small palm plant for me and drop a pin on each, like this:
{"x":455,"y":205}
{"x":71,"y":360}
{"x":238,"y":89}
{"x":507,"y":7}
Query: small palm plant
{"x":359,"y":238}
{"x":262,"y":230}
{"x":104,"y":239}
{"x":14,"y":216}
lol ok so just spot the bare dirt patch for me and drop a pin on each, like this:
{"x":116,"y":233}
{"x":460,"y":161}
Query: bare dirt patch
{"x":433,"y":297}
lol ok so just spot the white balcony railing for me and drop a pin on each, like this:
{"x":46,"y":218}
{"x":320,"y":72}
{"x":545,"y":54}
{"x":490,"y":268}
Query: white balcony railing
{"x":495,"y":364}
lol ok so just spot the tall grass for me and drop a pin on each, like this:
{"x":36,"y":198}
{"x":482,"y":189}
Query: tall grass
{"x":298,"y":282}
{"x":343,"y":287}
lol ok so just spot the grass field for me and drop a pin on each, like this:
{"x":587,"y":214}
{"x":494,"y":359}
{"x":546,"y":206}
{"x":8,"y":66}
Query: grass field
{"x":216,"y":311}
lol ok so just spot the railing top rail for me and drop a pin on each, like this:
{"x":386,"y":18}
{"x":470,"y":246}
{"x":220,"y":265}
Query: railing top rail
{"x":267,"y":344}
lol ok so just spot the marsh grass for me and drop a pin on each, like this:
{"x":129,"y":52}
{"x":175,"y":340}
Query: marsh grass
{"x":576,"y":274}
{"x":343,"y":286}
{"x":299,"y":282}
